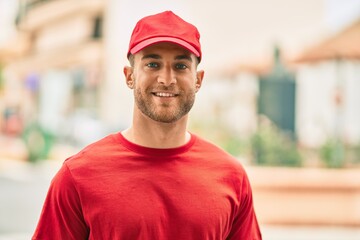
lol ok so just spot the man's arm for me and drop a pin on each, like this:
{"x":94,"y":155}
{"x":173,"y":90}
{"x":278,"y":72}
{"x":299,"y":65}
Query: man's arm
{"x":245,"y":225}
{"x":61,"y":216}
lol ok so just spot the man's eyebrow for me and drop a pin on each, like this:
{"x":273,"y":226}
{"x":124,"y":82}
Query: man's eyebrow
{"x":154,"y":56}
{"x":184,"y":57}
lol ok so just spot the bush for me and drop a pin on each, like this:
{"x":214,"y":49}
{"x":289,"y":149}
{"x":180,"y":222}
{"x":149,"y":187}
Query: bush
{"x":271,"y":147}
{"x":38,"y":142}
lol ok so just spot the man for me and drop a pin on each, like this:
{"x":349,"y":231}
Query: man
{"x":154,"y":180}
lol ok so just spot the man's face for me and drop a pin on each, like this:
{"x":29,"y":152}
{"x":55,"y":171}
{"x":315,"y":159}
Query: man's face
{"x":165,"y":81}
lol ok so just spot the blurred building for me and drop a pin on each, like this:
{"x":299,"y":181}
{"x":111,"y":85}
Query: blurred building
{"x":63,"y":69}
{"x":326,"y":101}
{"x":54,"y":67}
{"x":328,"y":78}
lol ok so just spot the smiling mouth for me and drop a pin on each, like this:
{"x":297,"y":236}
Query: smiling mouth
{"x":162,"y":94}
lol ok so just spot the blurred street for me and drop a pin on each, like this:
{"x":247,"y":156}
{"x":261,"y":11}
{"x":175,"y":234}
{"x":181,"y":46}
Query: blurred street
{"x":23,"y":188}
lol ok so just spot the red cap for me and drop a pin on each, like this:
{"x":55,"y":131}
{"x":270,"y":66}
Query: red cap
{"x":165,"y":27}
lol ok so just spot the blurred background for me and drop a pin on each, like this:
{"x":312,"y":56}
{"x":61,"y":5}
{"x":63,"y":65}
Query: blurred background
{"x":281,"y":93}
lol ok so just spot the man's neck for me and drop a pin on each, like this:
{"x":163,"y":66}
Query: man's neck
{"x":154,"y":134}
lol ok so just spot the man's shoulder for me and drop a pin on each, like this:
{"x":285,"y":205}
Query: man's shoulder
{"x":219,"y":161}
{"x":101,"y":148}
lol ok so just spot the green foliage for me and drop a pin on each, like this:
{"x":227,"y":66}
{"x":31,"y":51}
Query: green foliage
{"x":38,"y":142}
{"x":271,"y":147}
{"x":234,"y":145}
{"x":222,"y":136}
{"x":2,"y":81}
{"x":332,"y":153}
{"x":354,"y":154}
{"x":268,"y":146}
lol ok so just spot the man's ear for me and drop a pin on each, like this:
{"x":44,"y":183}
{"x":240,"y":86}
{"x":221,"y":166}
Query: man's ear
{"x":128,"y":72}
{"x":199,"y":79}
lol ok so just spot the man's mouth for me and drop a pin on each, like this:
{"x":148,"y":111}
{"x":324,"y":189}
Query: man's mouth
{"x":163,"y":94}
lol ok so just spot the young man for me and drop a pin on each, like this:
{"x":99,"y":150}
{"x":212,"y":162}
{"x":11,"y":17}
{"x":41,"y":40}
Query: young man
{"x":154,"y":180}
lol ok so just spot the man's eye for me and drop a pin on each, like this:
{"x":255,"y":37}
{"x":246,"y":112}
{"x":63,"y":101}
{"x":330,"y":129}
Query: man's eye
{"x":152,"y":65}
{"x":180,"y":66}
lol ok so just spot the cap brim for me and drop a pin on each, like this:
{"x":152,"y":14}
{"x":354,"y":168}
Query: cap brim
{"x":151,"y":41}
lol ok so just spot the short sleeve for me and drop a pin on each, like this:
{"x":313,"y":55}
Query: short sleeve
{"x":245,"y":224}
{"x":62,"y":216}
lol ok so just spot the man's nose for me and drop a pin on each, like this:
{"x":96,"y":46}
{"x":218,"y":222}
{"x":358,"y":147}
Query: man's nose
{"x":167,"y":76}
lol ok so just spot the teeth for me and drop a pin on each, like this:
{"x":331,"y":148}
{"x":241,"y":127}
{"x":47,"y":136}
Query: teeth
{"x":165,"y":95}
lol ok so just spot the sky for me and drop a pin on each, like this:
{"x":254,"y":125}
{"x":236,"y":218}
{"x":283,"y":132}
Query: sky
{"x":340,"y":13}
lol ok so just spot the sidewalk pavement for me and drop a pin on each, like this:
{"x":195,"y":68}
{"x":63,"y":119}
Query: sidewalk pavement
{"x":309,"y":233}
